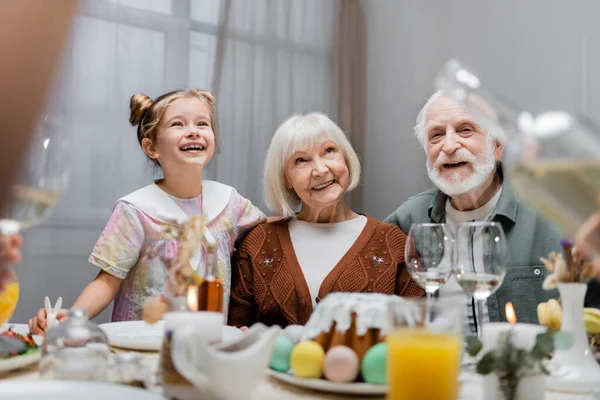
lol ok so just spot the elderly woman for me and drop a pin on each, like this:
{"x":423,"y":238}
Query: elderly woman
{"x":284,"y":268}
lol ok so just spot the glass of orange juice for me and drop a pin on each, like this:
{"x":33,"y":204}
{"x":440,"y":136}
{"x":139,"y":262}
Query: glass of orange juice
{"x":9,"y":298}
{"x":424,"y":350}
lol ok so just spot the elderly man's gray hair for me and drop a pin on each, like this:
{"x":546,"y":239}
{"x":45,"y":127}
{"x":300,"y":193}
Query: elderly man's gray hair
{"x":487,"y":118}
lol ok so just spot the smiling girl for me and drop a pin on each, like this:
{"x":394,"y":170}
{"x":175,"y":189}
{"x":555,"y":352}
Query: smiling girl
{"x":178,"y":132}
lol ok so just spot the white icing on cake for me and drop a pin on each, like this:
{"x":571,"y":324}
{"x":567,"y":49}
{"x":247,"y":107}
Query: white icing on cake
{"x":371,"y":310}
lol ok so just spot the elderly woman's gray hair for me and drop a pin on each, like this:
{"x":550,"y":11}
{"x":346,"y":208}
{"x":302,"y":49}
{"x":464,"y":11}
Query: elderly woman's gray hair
{"x":487,"y":118}
{"x":298,"y":131}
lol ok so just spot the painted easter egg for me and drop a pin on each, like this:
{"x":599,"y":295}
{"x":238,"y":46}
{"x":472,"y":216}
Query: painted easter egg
{"x":307,"y":360}
{"x":374,"y":364}
{"x":341,"y":364}
{"x":282,"y":351}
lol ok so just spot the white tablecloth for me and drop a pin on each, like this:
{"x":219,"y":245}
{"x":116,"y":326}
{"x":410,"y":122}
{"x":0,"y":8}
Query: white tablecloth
{"x":271,"y":389}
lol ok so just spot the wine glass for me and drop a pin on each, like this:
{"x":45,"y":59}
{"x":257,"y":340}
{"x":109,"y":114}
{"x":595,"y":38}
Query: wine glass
{"x":429,"y":253}
{"x":43,"y":176}
{"x":552,"y":159}
{"x":482,"y":256}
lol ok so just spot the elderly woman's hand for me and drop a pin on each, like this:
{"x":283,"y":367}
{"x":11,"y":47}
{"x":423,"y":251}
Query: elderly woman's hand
{"x":10,"y":254}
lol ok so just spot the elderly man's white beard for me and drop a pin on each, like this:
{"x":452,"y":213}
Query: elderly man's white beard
{"x":456,"y":184}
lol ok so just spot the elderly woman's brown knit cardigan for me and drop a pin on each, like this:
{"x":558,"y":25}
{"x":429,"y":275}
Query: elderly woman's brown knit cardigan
{"x":268,"y":286}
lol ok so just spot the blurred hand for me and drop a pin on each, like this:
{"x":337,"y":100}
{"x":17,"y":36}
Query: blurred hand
{"x":587,"y":241}
{"x":10,"y":254}
{"x":244,"y":329}
{"x":37,"y":324}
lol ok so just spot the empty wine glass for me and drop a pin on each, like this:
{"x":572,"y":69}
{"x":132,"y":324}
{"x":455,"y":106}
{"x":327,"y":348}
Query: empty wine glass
{"x":43,"y":176}
{"x":429,"y":253}
{"x":481,"y":262}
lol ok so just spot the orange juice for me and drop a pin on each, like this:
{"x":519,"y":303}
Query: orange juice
{"x":8,"y":302}
{"x":423,"y":365}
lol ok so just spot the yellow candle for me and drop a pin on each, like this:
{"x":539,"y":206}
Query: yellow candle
{"x":8,"y":301}
{"x":423,"y":365}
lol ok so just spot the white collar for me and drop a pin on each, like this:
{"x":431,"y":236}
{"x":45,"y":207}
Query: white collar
{"x":156,"y":203}
{"x":153,"y":201}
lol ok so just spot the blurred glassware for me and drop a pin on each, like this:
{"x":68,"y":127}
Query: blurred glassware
{"x":424,"y":349}
{"x":552,"y":159}
{"x":75,"y":350}
{"x":429,"y":253}
{"x":127,"y":369}
{"x":43,"y":177}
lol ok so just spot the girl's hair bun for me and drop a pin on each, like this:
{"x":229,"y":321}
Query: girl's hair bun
{"x":138,"y":104}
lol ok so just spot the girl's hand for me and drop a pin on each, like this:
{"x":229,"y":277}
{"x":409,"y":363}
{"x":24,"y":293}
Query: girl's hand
{"x":37,"y":324}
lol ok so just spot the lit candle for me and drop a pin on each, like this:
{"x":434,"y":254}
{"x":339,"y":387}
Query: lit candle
{"x":192,"y":297}
{"x":524,"y":335}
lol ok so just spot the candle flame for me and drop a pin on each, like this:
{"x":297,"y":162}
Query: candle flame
{"x":192,"y":298}
{"x":509,"y":311}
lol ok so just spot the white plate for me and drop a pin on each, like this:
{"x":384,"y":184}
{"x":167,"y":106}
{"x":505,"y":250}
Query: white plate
{"x":22,"y":361}
{"x":22,"y":329}
{"x":323,"y":385}
{"x":65,"y":390}
{"x":138,"y":335}
{"x":14,"y":363}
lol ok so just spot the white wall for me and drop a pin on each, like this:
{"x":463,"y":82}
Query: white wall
{"x":535,"y":52}
{"x":404,"y":49}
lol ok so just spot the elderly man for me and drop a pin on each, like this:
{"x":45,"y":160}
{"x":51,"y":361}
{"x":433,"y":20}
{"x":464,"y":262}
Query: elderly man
{"x":463,"y":163}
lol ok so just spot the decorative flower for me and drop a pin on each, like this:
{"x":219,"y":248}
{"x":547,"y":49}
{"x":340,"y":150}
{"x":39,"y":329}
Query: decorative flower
{"x":377,"y":260}
{"x":268,"y":262}
{"x":573,"y":269}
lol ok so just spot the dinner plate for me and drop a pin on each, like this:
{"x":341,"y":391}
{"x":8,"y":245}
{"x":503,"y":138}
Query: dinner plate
{"x":67,"y":390}
{"x":139,"y":335}
{"x":22,"y":329}
{"x":18,"y":362}
{"x":323,"y":385}
{"x":22,"y":361}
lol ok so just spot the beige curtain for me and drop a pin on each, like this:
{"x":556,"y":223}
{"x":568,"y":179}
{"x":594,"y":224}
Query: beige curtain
{"x":349,"y":74}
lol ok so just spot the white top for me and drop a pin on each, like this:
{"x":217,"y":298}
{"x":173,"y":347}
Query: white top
{"x":319,"y":247}
{"x":453,"y":218}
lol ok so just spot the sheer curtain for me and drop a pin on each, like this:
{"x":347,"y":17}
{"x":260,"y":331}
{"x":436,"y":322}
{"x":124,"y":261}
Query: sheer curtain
{"x":264,"y":59}
{"x":274,"y":59}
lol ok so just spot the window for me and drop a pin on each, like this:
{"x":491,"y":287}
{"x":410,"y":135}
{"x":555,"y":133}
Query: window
{"x":122,"y":47}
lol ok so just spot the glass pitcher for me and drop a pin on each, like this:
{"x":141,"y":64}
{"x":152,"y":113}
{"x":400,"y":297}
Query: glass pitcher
{"x":552,"y":159}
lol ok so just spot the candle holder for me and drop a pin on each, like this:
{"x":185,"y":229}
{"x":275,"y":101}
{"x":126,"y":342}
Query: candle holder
{"x":513,"y":372}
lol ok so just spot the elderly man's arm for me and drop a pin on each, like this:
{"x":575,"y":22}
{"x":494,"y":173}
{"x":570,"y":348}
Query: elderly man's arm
{"x":402,"y":218}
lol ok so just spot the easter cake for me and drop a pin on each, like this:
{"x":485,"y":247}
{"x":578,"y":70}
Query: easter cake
{"x":343,"y":340}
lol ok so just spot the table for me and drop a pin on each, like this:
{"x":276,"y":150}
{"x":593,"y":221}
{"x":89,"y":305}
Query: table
{"x":271,"y":389}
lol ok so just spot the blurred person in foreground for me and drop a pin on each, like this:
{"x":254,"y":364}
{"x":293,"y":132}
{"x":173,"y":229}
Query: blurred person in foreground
{"x":33,"y":35}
